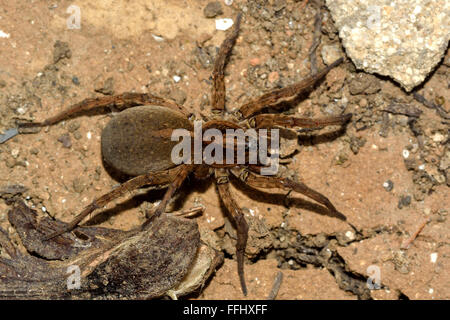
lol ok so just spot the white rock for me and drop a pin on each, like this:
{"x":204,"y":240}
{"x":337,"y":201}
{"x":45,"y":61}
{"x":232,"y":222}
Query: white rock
{"x":402,"y":39}
{"x":405,"y":154}
{"x":224,"y":24}
{"x":4,"y":34}
{"x":157,"y":38}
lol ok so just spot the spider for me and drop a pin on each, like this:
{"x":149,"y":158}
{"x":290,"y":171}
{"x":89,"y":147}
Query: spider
{"x":137,"y":142}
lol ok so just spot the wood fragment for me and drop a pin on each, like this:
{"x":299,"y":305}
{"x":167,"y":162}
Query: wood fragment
{"x":406,"y":244}
{"x":403,"y":109}
{"x":431,"y":105}
{"x":315,"y":43}
{"x":112,"y":264}
{"x":276,"y":286}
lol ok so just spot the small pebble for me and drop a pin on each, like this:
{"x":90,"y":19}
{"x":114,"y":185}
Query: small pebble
{"x":404,"y":201}
{"x":4,"y":34}
{"x":330,"y":53}
{"x":157,"y":38}
{"x":178,"y":95}
{"x":78,"y":185}
{"x":405,"y":154}
{"x":350,"y":235}
{"x":73,"y":126}
{"x":255,"y":62}
{"x":75,"y":80}
{"x":15,"y":153}
{"x":438,"y":137}
{"x":363,"y":102}
{"x":21,"y":110}
{"x":213,"y":9}
{"x":388,"y":185}
{"x":65,"y":140}
{"x":273,"y":76}
{"x":224,"y":24}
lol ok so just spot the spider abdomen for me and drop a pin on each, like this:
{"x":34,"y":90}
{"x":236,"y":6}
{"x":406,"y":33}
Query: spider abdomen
{"x":138,"y":140}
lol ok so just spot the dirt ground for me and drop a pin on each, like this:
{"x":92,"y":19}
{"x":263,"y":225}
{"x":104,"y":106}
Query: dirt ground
{"x":388,"y":172}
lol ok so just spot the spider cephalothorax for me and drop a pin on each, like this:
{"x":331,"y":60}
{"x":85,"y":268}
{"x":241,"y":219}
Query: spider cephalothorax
{"x":138,"y":142}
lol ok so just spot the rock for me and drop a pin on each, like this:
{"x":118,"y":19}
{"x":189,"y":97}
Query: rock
{"x":402,"y":39}
{"x":388,"y":185}
{"x":331,"y":53}
{"x":75,"y":80}
{"x":364,"y":84}
{"x":106,"y":88}
{"x":61,"y":51}
{"x":178,"y":95}
{"x":78,"y":185}
{"x":404,"y":201}
{"x":273,"y":76}
{"x":73,"y":126}
{"x":213,"y":9}
{"x":65,"y":140}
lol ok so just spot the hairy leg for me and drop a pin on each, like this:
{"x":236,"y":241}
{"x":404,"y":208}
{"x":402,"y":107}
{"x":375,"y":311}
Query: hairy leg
{"x":271,"y":120}
{"x":258,"y":181}
{"x":121,"y":101}
{"x":276,"y":96}
{"x":174,"y":185}
{"x":218,"y":75}
{"x":153,"y":178}
{"x":236,"y":213}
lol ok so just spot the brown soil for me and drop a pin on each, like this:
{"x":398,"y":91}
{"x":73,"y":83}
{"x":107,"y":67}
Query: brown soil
{"x":45,"y":67}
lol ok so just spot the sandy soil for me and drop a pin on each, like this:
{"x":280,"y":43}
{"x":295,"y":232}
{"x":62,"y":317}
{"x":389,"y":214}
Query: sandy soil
{"x":387,"y":173}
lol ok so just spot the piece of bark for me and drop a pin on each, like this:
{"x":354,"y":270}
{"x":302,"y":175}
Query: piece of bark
{"x":112,"y":264}
{"x":404,"y":109}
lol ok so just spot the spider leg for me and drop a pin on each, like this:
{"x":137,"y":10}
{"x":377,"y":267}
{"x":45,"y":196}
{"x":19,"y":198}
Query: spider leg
{"x":236,"y":213}
{"x":258,"y":181}
{"x":174,"y":185}
{"x":153,"y":178}
{"x":121,"y":101}
{"x":190,"y":212}
{"x":271,"y":120}
{"x":218,"y":92}
{"x":270,"y":99}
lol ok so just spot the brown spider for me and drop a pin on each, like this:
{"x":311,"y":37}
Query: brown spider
{"x":137,"y":142}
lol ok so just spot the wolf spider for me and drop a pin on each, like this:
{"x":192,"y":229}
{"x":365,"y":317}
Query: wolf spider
{"x":146,"y":156}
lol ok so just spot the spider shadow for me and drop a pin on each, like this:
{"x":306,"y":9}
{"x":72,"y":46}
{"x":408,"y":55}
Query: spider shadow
{"x":307,"y":140}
